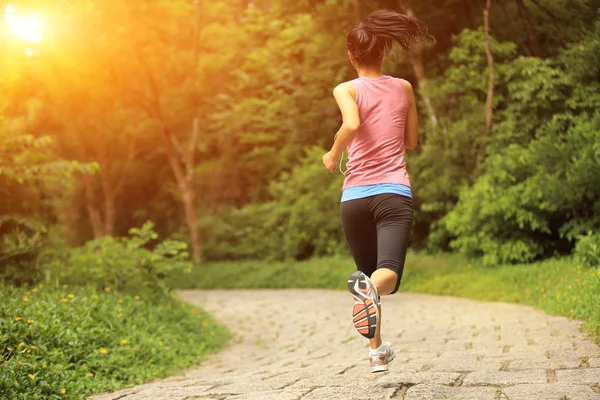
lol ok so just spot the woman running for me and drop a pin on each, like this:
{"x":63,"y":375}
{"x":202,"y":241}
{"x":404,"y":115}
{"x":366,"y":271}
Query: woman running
{"x":379,"y":122}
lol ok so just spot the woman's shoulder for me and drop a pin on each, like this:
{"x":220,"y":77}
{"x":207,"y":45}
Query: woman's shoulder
{"x":348,"y":86}
{"x":405,"y":84}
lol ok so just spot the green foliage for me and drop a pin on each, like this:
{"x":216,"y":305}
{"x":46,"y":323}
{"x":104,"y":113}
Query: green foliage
{"x":540,"y":190}
{"x":27,"y":168}
{"x":125,"y":264}
{"x":59,"y":343}
{"x":447,"y":159}
{"x":258,"y":78}
{"x":24,"y":158}
{"x":587,"y":249}
{"x":301,"y":219}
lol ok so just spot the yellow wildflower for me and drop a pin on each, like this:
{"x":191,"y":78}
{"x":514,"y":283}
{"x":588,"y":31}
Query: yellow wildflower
{"x":31,"y":376}
{"x":120,"y":314}
{"x":138,"y":297}
{"x":18,"y":319}
{"x":9,"y":349}
{"x":124,"y":341}
{"x":119,"y":301}
{"x":34,"y":290}
{"x":71,"y":296}
{"x":21,"y":344}
{"x":25,"y":299}
{"x":103,"y":351}
{"x":30,"y":321}
{"x":107,"y":289}
{"x":205,"y":323}
{"x":44,"y":366}
{"x":33,"y":347}
{"x":61,"y":353}
{"x":167,"y":348}
{"x":41,"y":285}
{"x":63,"y":390}
{"x":160,"y":342}
{"x":90,"y":375}
{"x":63,"y":300}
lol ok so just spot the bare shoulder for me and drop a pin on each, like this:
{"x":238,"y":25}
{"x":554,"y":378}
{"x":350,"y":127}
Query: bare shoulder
{"x":407,"y":86}
{"x":344,"y":88}
{"x":408,"y":89}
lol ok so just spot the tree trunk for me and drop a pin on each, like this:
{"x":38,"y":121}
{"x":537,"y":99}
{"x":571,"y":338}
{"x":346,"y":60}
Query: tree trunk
{"x":416,"y":61}
{"x":180,"y":161}
{"x":490,"y":60}
{"x":191,"y":217}
{"x":184,"y":181}
{"x":524,"y":13}
{"x":92,"y":209}
{"x":479,"y":154}
{"x":109,"y":214}
{"x":110,"y":189}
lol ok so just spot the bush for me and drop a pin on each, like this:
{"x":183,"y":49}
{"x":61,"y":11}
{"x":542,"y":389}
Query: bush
{"x":538,"y":188}
{"x":123,"y":264}
{"x":66,"y":343}
{"x":587,"y":249}
{"x":301,"y":220}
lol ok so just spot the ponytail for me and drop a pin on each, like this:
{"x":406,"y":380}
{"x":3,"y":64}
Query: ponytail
{"x":376,"y":34}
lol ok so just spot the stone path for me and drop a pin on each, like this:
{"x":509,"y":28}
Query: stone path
{"x":300,"y":345}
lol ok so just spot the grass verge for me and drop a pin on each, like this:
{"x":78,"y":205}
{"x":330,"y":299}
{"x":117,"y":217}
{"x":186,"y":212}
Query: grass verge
{"x":70,"y":342}
{"x":556,"y":286}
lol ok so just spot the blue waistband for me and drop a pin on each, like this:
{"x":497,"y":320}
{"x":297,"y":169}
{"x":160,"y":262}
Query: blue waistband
{"x":360,"y":192}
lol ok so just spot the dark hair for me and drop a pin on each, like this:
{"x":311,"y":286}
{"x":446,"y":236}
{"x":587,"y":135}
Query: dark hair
{"x":376,"y":34}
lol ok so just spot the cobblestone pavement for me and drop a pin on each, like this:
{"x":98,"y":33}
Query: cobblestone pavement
{"x":300,"y":345}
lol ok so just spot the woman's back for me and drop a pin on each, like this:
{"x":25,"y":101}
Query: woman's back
{"x":376,"y":154}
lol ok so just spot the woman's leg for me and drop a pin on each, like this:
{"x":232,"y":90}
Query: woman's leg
{"x":361,"y":235}
{"x":393,"y":217}
{"x":360,"y":230}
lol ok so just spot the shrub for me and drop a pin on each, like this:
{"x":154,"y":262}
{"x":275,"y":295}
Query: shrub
{"x":587,"y":249}
{"x":538,"y":188}
{"x":68,"y":342}
{"x":123,"y":264}
{"x":301,"y":220}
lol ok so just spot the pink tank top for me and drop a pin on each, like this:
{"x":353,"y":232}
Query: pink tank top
{"x":376,"y":154}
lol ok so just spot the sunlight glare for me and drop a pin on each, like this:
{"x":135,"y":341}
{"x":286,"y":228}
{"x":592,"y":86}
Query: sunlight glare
{"x":25,"y":27}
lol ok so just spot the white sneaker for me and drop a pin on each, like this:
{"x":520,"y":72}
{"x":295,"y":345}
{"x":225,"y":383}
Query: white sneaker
{"x":380,"y":360}
{"x":365,"y":313}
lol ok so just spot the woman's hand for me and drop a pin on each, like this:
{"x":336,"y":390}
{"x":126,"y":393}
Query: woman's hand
{"x":330,"y":161}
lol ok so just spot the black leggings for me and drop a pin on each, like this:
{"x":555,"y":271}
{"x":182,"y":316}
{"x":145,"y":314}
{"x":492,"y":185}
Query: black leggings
{"x":377,"y":230}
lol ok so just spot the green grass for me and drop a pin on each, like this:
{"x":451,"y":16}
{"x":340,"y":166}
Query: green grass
{"x":66,"y":343}
{"x":557,"y":286}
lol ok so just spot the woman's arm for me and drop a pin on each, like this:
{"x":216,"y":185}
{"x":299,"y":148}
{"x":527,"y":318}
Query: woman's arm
{"x":345,"y":96}
{"x":411,"y":130}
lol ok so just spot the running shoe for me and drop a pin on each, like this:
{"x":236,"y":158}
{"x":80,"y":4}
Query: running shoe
{"x":380,"y":360}
{"x":365,"y":314}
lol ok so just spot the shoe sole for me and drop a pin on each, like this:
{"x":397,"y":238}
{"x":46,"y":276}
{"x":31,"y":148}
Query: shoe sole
{"x":384,"y":367}
{"x":365,"y":314}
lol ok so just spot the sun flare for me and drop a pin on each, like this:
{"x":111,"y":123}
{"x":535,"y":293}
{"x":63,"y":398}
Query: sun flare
{"x":27,"y":27}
